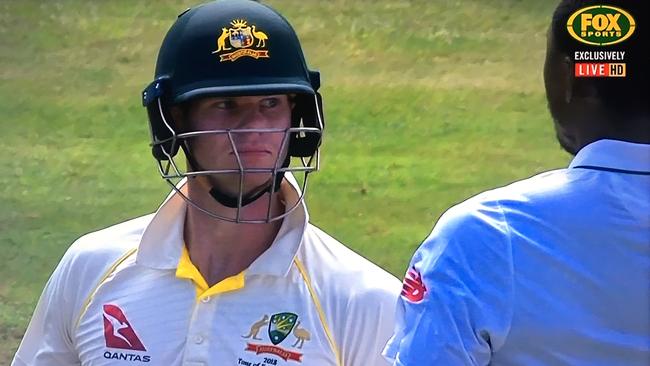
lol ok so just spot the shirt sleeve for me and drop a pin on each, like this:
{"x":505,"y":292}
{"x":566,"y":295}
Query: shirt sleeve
{"x":47,"y":340}
{"x":370,"y":323}
{"x":457,"y":298}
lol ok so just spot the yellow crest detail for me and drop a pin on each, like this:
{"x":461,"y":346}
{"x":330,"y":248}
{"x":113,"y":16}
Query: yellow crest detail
{"x":243,"y":40}
{"x":238,"y":23}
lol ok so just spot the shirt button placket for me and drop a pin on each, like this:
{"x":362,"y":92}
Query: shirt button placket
{"x":197,"y":346}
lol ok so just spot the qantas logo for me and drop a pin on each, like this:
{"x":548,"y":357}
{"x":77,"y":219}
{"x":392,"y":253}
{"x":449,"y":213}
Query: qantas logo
{"x":118,"y":332}
{"x":413,"y":288}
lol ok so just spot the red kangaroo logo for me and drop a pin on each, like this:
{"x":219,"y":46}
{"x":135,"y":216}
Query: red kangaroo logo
{"x":118,"y":332}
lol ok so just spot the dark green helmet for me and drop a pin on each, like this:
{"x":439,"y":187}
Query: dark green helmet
{"x":232,"y":48}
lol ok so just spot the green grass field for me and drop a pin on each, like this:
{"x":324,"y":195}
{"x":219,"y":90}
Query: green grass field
{"x":428,"y":102}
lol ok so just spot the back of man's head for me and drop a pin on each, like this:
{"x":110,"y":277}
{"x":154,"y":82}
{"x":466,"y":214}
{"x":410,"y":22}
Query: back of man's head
{"x":589,"y":100}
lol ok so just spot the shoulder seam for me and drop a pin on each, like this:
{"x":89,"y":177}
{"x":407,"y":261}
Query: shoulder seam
{"x":106,"y":274}
{"x":319,"y":309}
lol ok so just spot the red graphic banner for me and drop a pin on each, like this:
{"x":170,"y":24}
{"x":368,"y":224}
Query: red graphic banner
{"x":595,"y":70}
{"x":244,"y":52}
{"x":282,"y":353}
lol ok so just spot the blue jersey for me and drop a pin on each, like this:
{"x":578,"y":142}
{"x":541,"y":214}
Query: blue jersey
{"x":551,"y":270}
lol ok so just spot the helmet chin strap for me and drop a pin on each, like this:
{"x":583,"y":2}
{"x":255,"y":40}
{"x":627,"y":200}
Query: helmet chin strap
{"x":233,"y":201}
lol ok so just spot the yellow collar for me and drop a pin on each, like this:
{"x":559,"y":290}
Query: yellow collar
{"x":187,"y":269}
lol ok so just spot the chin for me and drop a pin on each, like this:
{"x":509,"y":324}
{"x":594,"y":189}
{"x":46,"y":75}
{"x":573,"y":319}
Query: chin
{"x":564,"y":137}
{"x":230,"y":183}
{"x":567,"y":143}
{"x":254,"y":181}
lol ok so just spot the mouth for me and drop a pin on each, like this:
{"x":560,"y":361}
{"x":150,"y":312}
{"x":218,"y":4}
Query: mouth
{"x":252,"y":151}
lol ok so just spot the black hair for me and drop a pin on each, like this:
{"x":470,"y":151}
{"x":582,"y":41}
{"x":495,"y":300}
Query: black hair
{"x":623,"y":97}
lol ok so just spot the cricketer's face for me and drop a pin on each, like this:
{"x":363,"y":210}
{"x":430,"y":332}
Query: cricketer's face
{"x":258,"y":138}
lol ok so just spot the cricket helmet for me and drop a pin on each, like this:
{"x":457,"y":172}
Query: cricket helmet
{"x":231,"y":48}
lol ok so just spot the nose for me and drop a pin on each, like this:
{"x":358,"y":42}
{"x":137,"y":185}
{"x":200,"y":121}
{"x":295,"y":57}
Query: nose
{"x":254,"y":118}
{"x":251,"y":119}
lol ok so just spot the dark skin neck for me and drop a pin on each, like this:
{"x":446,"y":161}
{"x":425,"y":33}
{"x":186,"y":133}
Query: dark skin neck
{"x":638,"y":131}
{"x":583,"y":133}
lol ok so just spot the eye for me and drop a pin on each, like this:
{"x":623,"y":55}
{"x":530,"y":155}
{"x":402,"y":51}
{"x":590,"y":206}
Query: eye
{"x":271,"y":102}
{"x":225,"y":104}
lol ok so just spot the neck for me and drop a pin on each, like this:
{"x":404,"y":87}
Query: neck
{"x":635,"y":131}
{"x":219,"y":248}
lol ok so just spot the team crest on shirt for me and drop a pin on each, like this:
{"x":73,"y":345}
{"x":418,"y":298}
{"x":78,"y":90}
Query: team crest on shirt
{"x":279,"y":327}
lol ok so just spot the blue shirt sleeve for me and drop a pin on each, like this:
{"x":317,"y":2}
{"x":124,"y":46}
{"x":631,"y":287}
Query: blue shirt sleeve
{"x":457,"y":301}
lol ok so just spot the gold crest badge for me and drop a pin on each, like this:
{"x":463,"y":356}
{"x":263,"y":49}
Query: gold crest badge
{"x":243,"y":40}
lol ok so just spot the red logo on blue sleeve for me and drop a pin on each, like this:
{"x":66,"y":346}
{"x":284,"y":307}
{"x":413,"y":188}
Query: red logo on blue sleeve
{"x":413,"y":288}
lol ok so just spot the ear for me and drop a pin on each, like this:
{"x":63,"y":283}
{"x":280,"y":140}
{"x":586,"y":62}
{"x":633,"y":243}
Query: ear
{"x":577,"y":88}
{"x":179,"y":116}
{"x":292,"y":100}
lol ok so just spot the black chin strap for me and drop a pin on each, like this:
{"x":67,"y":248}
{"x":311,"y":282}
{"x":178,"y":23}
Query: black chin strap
{"x":228,"y":200}
{"x":232,"y":202}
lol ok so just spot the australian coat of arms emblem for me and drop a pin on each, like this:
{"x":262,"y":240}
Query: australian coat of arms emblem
{"x":241,"y":40}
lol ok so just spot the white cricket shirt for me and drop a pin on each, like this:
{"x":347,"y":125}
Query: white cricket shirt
{"x":551,"y":270}
{"x":128,"y":295}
